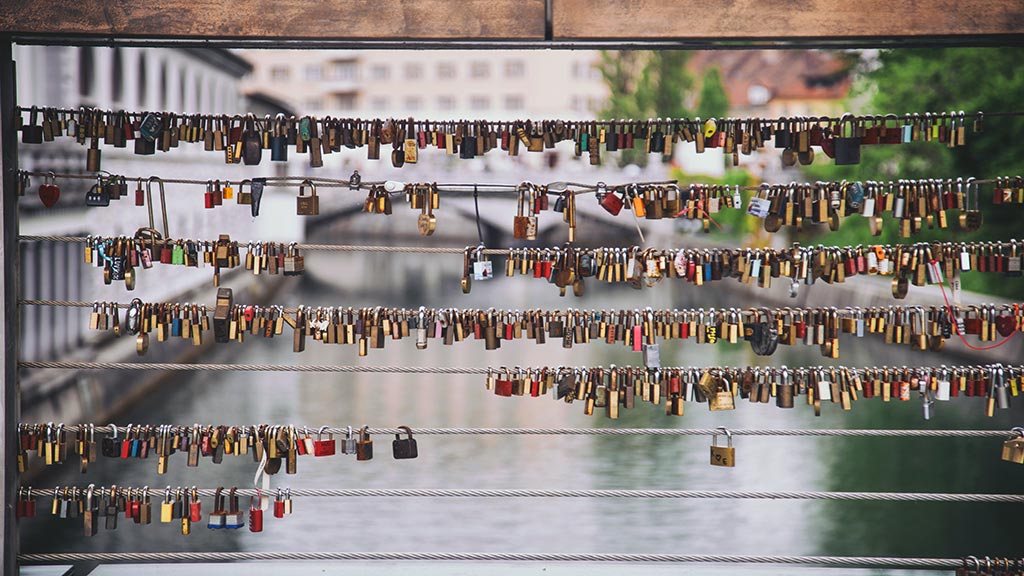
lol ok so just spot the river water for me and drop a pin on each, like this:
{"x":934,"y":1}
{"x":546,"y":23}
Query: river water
{"x":785,"y":527}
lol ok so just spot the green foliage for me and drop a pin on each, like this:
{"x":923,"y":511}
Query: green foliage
{"x":941,"y":80}
{"x":736,"y":224}
{"x":645,"y":84}
{"x":714,"y":102}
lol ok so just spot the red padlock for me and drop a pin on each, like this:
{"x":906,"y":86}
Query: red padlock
{"x":503,"y":386}
{"x":279,"y":505}
{"x":208,"y":195}
{"x":195,"y":507}
{"x":255,"y":513}
{"x":49,"y":192}
{"x":140,"y":196}
{"x":611,"y":202}
{"x":322,"y":447}
{"x":218,"y":195}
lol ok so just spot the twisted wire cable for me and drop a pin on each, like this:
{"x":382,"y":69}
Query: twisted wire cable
{"x":832,"y":561}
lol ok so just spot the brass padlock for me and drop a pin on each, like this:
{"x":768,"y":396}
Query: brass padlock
{"x":1013,"y":447}
{"x":307,"y":205}
{"x":723,"y":455}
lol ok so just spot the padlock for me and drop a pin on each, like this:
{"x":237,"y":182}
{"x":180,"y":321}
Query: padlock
{"x":279,"y":140}
{"x":279,"y":505}
{"x":364,"y":446}
{"x":1013,"y":448}
{"x":218,"y":517}
{"x":294,"y":263}
{"x":252,"y":143}
{"x":255,"y":513}
{"x":307,"y":205}
{"x":404,"y":448}
{"x":723,"y":455}
{"x":49,"y":192}
{"x":235,"y":518}
{"x":324,"y":447}
{"x":847,"y":143}
{"x":348,"y":443}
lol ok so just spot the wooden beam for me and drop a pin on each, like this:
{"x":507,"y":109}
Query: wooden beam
{"x":783,"y":19}
{"x":279,"y":19}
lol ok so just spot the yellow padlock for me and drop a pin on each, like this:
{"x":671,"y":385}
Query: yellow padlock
{"x":710,"y":127}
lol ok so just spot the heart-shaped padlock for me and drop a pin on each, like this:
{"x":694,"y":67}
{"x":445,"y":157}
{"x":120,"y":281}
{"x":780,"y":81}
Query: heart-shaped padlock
{"x":49,"y":192}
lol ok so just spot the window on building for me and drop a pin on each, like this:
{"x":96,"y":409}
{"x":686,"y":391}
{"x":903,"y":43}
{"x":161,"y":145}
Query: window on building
{"x":183,"y":103}
{"x":86,"y":70}
{"x":413,"y":71}
{"x":445,"y":70}
{"x":515,"y":69}
{"x":479,"y":103}
{"x":344,"y":71}
{"x":313,"y":104}
{"x":380,"y":72}
{"x":446,"y":103}
{"x":413,"y":103}
{"x":577,"y":103}
{"x":162,"y":95}
{"x":479,"y":70}
{"x":200,"y":94}
{"x":117,"y":76}
{"x":514,"y":102}
{"x":143,"y":81}
{"x":379,"y":103}
{"x":345,"y":101}
{"x":280,"y":73}
{"x":577,"y":69}
{"x":314,"y":72}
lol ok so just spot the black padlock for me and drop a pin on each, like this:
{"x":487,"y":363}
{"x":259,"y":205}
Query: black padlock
{"x":468,"y":149}
{"x":783,"y":135}
{"x":111,"y":446}
{"x":364,"y":446}
{"x":252,"y":143}
{"x":404,"y":448}
{"x":657,"y":142}
{"x":279,"y":141}
{"x":847,"y":142}
{"x":144,"y":147}
{"x":97,"y":196}
{"x":32,"y":133}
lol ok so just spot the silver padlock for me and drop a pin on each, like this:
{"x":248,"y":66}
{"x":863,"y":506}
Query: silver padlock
{"x":652,"y":356}
{"x":348,"y":444}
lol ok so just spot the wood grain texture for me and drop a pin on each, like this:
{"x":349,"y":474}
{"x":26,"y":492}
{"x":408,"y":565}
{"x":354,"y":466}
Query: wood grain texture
{"x":767,"y":19}
{"x":269,"y":19}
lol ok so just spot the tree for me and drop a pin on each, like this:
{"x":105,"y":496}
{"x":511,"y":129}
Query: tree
{"x":645,"y":84}
{"x":937,"y":80}
{"x":714,"y":102}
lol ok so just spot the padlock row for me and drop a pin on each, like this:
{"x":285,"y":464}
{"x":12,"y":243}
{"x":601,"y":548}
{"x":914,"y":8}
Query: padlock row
{"x":916,"y":204}
{"x":276,"y":445}
{"x":120,"y":257}
{"x":987,"y":566}
{"x":920,"y":327}
{"x":241,"y":139}
{"x":621,"y":388}
{"x":95,"y":505}
{"x":918,"y":264}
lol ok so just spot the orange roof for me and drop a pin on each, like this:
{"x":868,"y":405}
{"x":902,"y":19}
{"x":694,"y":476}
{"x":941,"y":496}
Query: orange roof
{"x":786,"y":74}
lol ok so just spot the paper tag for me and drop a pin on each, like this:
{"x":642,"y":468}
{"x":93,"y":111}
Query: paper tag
{"x":758,"y":207}
{"x":824,"y":389}
{"x":483,"y":270}
{"x":869,"y":207}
